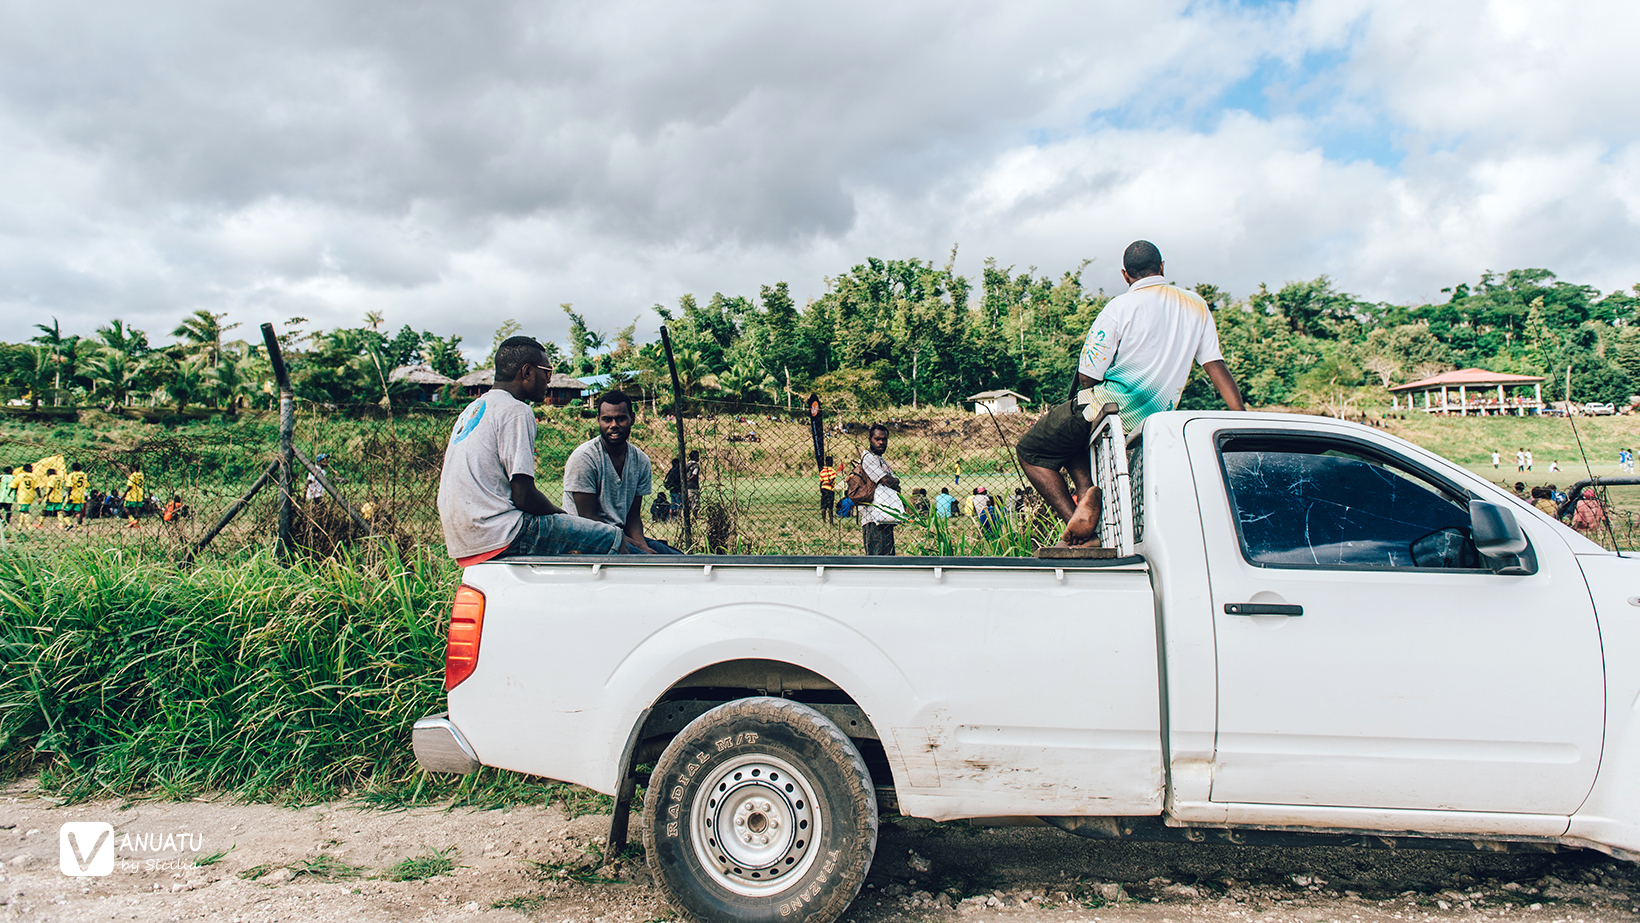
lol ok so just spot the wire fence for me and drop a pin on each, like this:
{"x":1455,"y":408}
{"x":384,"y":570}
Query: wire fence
{"x":749,"y":476}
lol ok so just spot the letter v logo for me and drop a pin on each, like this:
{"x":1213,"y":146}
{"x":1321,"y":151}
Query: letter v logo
{"x":86,"y":848}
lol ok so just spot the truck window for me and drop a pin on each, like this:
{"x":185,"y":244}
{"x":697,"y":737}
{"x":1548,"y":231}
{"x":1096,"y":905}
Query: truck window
{"x":1318,"y":503}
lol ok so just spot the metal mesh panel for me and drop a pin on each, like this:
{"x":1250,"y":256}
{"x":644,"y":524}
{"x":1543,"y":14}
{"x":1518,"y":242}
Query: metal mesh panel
{"x":756,"y":488}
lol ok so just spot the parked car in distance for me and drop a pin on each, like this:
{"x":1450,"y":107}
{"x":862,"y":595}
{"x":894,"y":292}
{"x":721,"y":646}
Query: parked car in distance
{"x":1597,"y":409}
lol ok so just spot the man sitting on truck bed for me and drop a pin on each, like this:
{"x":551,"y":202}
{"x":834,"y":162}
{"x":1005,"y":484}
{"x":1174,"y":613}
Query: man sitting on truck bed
{"x":606,"y":477}
{"x":1137,"y":356}
{"x":488,"y":503}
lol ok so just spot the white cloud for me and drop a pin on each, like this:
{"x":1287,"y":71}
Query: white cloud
{"x":455,"y":165}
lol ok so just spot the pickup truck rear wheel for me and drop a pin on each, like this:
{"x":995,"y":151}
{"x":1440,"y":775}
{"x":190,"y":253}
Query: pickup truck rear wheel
{"x":761,"y":810}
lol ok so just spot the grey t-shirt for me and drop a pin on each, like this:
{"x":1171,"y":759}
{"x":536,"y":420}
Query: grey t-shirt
{"x":589,"y":471}
{"x":493,"y":439}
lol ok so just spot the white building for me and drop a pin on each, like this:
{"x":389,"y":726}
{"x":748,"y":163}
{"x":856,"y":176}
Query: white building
{"x":998,"y":402}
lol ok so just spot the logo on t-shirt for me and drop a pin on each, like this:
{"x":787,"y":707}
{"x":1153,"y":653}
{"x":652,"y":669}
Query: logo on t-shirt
{"x":467,"y":422}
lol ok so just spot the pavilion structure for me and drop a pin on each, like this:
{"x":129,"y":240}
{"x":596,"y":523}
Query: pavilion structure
{"x":1477,"y":392}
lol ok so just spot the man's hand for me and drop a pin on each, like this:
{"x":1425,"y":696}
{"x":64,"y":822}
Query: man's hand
{"x":890,"y":481}
{"x":529,"y":498}
{"x":634,"y":525}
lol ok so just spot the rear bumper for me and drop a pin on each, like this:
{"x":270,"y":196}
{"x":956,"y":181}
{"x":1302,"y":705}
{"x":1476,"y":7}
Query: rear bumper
{"x":440,"y":747}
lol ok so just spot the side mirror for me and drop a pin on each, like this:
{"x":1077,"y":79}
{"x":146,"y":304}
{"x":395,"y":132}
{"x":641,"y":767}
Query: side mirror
{"x":1495,"y":530}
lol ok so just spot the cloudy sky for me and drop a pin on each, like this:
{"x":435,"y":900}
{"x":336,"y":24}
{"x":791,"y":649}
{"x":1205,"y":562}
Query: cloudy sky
{"x":455,"y":164}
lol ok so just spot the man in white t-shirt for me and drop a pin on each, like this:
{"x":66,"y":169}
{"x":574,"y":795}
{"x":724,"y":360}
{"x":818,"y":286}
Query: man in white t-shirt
{"x":488,"y":503}
{"x":1137,"y":355}
{"x":878,"y":518}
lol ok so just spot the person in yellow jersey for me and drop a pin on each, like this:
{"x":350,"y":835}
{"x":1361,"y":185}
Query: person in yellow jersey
{"x":28,"y":489}
{"x":133,"y":496}
{"x":828,"y":489}
{"x":78,"y":485}
{"x":56,"y":491}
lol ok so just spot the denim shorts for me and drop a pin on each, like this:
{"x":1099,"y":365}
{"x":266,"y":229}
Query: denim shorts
{"x":564,"y":533}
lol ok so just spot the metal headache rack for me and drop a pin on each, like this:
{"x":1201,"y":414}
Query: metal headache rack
{"x":1108,"y":450}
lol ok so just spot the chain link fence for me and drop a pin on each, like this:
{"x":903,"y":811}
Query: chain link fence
{"x":755,"y":486}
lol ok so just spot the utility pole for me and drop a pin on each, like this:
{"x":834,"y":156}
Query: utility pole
{"x":287,"y":444}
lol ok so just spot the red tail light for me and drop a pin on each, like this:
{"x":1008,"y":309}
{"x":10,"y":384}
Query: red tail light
{"x":466,"y":627}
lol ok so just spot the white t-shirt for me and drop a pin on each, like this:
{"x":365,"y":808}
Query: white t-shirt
{"x":885,"y":505}
{"x":493,"y":439}
{"x":1142,"y":344}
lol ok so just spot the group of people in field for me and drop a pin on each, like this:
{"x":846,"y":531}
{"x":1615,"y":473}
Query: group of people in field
{"x":1136,"y":358}
{"x":60,"y":494}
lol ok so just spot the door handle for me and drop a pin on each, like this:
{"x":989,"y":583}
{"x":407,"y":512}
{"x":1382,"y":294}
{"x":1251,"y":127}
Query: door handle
{"x":1261,"y":609}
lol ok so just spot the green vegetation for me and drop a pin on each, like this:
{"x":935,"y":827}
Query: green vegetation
{"x":885,"y":333}
{"x":325,"y":866}
{"x":123,"y":675}
{"x":203,"y":860}
{"x":523,"y":903}
{"x":427,"y":865}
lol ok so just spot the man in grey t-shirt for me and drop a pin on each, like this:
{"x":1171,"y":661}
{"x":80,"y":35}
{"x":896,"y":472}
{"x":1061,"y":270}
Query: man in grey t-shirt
{"x":606,"y":478}
{"x":488,"y":503}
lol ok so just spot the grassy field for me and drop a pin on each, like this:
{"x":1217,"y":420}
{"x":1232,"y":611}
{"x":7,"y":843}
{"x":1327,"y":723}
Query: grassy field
{"x":299,"y":683}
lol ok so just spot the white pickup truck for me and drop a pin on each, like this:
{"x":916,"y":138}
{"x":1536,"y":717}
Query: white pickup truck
{"x":1323,"y":633}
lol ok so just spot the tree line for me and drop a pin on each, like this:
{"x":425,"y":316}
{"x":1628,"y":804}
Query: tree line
{"x":892,"y":332}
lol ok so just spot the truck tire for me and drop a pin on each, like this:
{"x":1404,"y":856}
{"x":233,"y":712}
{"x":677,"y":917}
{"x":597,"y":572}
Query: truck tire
{"x":761,"y":810}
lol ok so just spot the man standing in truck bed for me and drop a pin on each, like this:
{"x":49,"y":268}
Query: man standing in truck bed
{"x":1137,"y":356}
{"x":488,"y":503}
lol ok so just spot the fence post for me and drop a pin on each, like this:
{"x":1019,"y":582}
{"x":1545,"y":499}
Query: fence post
{"x":287,"y":431}
{"x":683,"y":455}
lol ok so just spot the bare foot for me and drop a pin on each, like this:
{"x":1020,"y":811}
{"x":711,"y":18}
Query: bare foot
{"x":1084,"y":523}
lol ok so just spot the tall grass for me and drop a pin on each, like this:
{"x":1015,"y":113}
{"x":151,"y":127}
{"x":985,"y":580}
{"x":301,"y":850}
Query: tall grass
{"x":124,"y":675}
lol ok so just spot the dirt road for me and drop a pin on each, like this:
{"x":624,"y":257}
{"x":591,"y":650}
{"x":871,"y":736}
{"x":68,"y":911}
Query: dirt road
{"x":222,"y":861}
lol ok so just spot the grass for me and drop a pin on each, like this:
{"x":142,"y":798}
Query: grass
{"x":325,"y":866}
{"x":523,"y":903}
{"x":122,"y":675}
{"x":202,"y":861}
{"x":427,"y":865}
{"x":570,"y":871}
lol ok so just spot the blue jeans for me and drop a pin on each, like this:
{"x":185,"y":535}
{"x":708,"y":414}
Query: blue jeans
{"x":655,"y":545}
{"x":564,"y":533}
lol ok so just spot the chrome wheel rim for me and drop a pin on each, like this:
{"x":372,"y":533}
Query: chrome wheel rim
{"x":753,"y":824}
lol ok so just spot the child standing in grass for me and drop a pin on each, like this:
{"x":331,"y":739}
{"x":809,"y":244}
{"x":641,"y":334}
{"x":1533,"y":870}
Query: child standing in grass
{"x":78,"y":486}
{"x":133,"y":496}
{"x":27,"y":489}
{"x":55,"y":494}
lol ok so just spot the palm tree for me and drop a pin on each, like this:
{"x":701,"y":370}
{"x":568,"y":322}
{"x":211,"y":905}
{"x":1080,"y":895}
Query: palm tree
{"x":202,"y":335}
{"x":116,"y":371}
{"x":183,"y":382}
{"x":52,"y":338}
{"x":33,"y":370}
{"x":241,"y":374}
{"x":117,"y":336}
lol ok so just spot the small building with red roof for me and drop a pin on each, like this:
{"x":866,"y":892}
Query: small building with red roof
{"x":1474,"y":391}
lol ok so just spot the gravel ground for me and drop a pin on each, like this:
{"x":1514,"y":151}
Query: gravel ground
{"x":216,"y":860}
